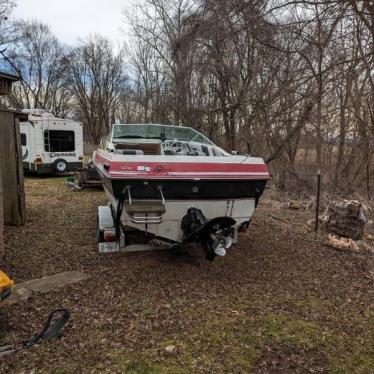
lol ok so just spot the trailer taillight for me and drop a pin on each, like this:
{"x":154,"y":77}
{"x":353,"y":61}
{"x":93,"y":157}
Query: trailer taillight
{"x":110,"y":236}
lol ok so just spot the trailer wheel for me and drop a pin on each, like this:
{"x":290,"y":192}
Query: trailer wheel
{"x":61,"y":166}
{"x":99,"y":236}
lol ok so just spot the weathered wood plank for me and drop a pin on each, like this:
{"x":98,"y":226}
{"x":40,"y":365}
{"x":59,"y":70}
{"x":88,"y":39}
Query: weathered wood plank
{"x":2,"y":249}
{"x":5,"y":86}
{"x":20,"y":175}
{"x":11,"y":166}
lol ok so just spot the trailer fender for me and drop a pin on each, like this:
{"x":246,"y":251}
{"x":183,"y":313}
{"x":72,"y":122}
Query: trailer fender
{"x":105,"y":222}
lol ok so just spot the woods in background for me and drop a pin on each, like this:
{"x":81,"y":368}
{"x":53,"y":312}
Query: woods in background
{"x":291,"y":81}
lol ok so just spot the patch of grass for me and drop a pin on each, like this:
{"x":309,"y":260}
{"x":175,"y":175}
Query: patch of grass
{"x":45,"y":180}
{"x":302,"y":333}
{"x":311,"y":303}
{"x":344,"y":355}
{"x":146,"y":362}
{"x":354,"y":353}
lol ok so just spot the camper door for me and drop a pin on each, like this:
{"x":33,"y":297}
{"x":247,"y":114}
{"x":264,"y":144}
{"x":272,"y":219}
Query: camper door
{"x":46,"y":142}
{"x":26,"y":142}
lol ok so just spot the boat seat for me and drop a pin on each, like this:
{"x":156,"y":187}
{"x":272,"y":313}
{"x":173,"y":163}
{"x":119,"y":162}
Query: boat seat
{"x":133,"y":152}
{"x":152,"y":149}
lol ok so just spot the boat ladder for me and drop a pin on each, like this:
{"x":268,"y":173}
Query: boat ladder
{"x":145,"y":211}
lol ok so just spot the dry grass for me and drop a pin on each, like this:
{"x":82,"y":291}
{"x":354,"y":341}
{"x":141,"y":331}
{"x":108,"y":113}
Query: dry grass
{"x":279,"y":302}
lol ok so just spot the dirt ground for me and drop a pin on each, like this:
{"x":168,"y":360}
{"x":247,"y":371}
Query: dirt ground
{"x":279,"y":302}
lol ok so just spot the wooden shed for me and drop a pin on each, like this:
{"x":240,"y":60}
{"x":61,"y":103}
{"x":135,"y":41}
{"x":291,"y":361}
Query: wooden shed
{"x":6,"y":81}
{"x":12,"y":195}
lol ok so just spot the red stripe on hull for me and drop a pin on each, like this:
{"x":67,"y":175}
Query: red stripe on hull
{"x":180,"y":170}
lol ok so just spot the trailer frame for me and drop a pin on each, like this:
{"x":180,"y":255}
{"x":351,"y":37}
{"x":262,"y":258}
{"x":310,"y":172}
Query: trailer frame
{"x":109,"y":241}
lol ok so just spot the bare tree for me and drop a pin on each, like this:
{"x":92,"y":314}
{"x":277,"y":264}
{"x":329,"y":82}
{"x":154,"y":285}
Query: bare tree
{"x":37,"y":56}
{"x":290,"y":80}
{"x":6,"y":27}
{"x":164,"y":28}
{"x":96,"y":79}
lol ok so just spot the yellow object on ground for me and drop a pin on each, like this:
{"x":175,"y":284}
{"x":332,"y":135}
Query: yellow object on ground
{"x":5,"y":282}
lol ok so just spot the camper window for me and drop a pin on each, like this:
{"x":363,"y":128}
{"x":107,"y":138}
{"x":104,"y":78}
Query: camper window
{"x":23,"y":139}
{"x":59,"y":141}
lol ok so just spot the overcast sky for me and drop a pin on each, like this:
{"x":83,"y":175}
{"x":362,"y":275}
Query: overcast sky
{"x":74,"y":19}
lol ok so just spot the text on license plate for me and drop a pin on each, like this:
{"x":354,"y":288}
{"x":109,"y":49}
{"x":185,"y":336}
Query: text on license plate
{"x":108,"y":247}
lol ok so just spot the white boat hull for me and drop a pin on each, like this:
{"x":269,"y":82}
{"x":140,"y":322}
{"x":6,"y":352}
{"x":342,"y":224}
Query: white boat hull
{"x":240,"y":210}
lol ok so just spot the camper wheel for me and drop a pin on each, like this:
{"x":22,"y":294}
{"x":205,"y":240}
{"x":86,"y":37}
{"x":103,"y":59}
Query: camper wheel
{"x":61,"y":166}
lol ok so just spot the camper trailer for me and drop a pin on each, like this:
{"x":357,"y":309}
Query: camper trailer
{"x":49,"y":144}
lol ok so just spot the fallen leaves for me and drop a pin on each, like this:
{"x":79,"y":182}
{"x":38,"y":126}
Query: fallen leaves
{"x":167,"y":312}
{"x":341,"y":244}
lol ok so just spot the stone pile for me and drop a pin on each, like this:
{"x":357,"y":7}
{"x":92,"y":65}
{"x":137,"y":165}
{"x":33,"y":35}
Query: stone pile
{"x":346,"y":219}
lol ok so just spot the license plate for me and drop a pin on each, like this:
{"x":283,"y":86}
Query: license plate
{"x":108,"y":247}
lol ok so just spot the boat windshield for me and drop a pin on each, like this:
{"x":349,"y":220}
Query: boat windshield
{"x":162,"y":132}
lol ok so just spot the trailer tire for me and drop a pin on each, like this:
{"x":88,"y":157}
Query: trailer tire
{"x":99,"y":236}
{"x":61,"y":166}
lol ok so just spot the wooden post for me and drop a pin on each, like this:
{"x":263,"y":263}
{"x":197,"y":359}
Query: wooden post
{"x":2,"y":246}
{"x":11,"y":166}
{"x":20,"y":175}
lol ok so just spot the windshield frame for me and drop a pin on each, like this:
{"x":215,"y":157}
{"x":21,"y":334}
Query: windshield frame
{"x":194,"y":135}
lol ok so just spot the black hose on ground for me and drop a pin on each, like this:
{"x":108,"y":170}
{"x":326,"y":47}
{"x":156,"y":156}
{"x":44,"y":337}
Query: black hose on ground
{"x":49,"y":332}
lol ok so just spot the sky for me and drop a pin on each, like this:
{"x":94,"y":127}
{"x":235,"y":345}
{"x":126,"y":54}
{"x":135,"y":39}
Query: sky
{"x":71,"y":20}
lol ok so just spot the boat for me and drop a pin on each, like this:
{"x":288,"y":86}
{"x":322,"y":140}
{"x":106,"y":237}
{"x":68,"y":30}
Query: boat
{"x":172,"y":184}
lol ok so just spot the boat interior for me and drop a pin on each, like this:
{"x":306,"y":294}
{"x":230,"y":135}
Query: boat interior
{"x":152,"y":149}
{"x":153,"y":140}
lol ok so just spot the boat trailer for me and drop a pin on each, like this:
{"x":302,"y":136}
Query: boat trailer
{"x":86,"y":177}
{"x":215,"y":236}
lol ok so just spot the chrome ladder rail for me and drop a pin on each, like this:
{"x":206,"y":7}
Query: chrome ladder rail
{"x":155,"y":219}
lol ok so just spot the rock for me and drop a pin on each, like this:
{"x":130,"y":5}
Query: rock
{"x":369,"y":237}
{"x":322,"y":220}
{"x":295,"y":205}
{"x":171,"y":349}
